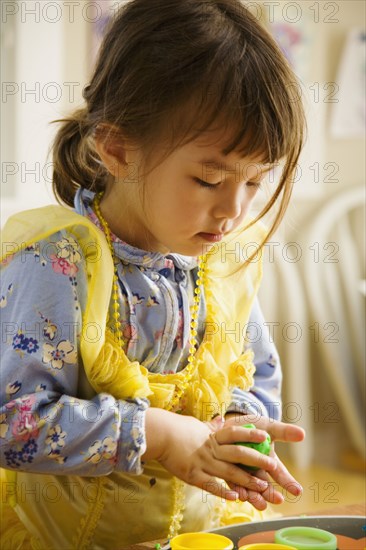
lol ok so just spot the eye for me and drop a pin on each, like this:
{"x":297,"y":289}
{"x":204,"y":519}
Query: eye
{"x":203,"y":183}
{"x":254,"y":184}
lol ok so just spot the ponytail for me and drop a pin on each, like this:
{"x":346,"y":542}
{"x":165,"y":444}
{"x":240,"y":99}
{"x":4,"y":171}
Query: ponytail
{"x":75,"y":163}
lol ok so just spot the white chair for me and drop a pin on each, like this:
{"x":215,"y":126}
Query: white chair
{"x":284,"y":303}
{"x":337,"y":232}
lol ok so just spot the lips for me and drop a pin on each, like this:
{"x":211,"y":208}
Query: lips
{"x":211,"y":237}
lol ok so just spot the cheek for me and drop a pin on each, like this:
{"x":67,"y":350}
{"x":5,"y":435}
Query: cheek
{"x":185,"y":201}
{"x":170,"y":207}
{"x":246,"y":208}
{"x":248,"y":202}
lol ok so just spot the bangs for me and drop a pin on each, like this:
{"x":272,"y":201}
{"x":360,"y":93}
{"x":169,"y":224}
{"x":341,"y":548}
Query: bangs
{"x":245,"y":87}
{"x":258,"y":125}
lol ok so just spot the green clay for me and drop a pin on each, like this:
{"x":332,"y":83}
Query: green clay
{"x":264,"y":447}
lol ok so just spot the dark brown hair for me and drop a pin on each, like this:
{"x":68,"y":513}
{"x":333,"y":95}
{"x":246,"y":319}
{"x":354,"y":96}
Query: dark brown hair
{"x":173,"y":68}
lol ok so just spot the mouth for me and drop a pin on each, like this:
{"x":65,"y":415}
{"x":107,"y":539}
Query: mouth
{"x":211,"y":237}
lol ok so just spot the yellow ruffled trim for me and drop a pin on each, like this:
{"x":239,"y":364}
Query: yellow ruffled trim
{"x":208,"y":392}
{"x":82,"y":540}
{"x":105,"y":375}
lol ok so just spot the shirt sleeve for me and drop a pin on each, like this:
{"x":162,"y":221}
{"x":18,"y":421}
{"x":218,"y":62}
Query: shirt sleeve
{"x":45,"y":425}
{"x":264,"y":398}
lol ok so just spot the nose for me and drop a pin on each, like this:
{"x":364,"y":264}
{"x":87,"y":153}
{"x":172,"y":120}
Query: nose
{"x":229,"y":206}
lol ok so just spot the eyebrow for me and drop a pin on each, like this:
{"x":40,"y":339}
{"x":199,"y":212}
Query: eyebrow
{"x":214,"y":162}
{"x":218,"y":165}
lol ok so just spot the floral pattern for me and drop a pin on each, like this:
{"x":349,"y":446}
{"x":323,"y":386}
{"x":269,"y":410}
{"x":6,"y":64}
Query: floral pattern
{"x":42,"y":422}
{"x":27,"y":451}
{"x":3,"y":425}
{"x":55,"y":454}
{"x":21,"y":343}
{"x":66,"y":257}
{"x":25,"y":423}
{"x":63,"y":353}
{"x":55,"y":437}
{"x":13,"y":388}
{"x":6,"y":295}
{"x":49,"y":328}
{"x":102,"y":450}
{"x":68,"y":249}
{"x":55,"y":442}
{"x":23,"y":456}
{"x":59,"y":265}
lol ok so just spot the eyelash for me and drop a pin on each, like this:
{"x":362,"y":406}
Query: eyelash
{"x":207,"y":185}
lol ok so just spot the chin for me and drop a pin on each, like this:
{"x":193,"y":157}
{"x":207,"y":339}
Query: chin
{"x":193,"y":250}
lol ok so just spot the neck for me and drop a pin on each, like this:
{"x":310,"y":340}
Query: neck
{"x":127,"y":224}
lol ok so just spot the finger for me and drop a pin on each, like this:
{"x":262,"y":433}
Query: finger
{"x":257,"y":500}
{"x":242,"y":491}
{"x":216,"y":487}
{"x":279,"y":431}
{"x":283,"y":477}
{"x":286,"y":432}
{"x":270,"y":494}
{"x":236,"y":434}
{"x":238,"y":454}
{"x":235,"y":475}
{"x":253,"y":497}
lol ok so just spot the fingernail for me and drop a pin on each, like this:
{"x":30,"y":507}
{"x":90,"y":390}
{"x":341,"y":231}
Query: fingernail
{"x":299,"y":489}
{"x":262,"y":484}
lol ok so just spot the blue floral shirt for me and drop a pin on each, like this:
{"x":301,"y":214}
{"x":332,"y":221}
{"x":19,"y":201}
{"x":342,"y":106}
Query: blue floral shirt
{"x":51,"y":420}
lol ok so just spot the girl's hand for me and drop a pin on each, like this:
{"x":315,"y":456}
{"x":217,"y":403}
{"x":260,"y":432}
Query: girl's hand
{"x":279,"y":431}
{"x":188,"y":448}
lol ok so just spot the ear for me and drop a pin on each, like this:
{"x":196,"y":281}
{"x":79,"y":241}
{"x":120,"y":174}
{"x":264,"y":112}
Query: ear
{"x":111,"y":148}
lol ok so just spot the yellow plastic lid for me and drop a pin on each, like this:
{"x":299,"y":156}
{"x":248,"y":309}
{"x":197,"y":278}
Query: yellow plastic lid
{"x":266,"y":546}
{"x":198,"y":541}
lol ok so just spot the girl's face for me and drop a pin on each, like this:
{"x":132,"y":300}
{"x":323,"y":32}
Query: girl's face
{"x":187,"y":203}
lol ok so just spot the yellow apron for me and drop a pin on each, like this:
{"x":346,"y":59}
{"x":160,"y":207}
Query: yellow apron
{"x":113,"y":511}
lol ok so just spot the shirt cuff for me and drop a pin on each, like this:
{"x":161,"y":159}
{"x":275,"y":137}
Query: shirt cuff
{"x":249,"y":404}
{"x":132,"y":440}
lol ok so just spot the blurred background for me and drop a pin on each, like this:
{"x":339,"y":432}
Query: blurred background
{"x":313,"y":294}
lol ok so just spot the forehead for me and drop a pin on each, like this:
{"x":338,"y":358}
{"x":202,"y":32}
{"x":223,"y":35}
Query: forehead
{"x":209,"y":149}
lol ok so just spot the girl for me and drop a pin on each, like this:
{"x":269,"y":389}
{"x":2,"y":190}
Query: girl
{"x":124,"y":360}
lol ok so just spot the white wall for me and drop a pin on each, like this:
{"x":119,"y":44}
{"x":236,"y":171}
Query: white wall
{"x":52,"y":57}
{"x":50,"y":68}
{"x":51,"y":46}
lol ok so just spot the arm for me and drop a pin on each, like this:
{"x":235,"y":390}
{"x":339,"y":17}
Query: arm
{"x":45,"y":426}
